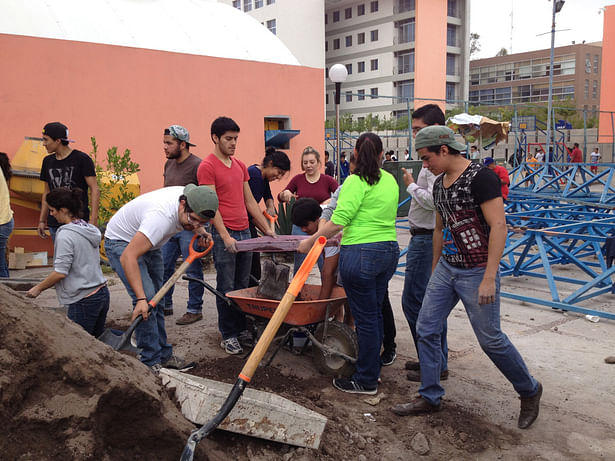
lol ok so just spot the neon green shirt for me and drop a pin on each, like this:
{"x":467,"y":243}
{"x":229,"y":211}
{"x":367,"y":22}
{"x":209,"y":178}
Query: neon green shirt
{"x":367,"y":212}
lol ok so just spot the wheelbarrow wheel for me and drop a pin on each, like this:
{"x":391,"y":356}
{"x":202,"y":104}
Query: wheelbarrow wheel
{"x":343,"y":339}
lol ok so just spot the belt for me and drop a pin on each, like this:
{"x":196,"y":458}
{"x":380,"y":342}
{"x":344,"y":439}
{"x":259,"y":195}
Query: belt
{"x":419,"y":231}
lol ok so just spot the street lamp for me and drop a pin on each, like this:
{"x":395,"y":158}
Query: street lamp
{"x":338,"y":74}
{"x":557,"y":6}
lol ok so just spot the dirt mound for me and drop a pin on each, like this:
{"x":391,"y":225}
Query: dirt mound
{"x":64,"y":395}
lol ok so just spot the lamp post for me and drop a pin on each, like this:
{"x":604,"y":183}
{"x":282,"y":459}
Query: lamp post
{"x":338,"y":74}
{"x":557,"y":6}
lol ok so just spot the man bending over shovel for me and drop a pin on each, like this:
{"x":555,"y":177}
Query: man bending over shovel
{"x":133,"y":242}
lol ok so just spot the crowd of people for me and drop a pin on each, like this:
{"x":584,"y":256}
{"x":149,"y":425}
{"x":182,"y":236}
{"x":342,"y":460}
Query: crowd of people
{"x":218,"y":199}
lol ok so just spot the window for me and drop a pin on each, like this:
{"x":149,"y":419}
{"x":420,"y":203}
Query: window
{"x":361,"y":9}
{"x":271,"y":26}
{"x":596,"y":59}
{"x":405,"y":89}
{"x":336,"y":16}
{"x":451,"y":9}
{"x":326,"y":45}
{"x":451,"y":35}
{"x":451,"y":64}
{"x":258,"y":4}
{"x":361,"y":96}
{"x":361,"y":66}
{"x":406,"y":5}
{"x":373,"y":92}
{"x":326,"y":19}
{"x":450,"y":92}
{"x":474,"y":96}
{"x":586,"y":89}
{"x":406,"y":31}
{"x":361,"y":38}
{"x":595,"y":89}
{"x":247,"y":5}
{"x":237,"y":4}
{"x":374,"y":64}
{"x":349,"y":68}
{"x":336,"y":43}
{"x":270,"y":2}
{"x":348,"y":13}
{"x":327,"y":99}
{"x":348,"y":96}
{"x":503,"y":95}
{"x":373,"y":6}
{"x":405,"y":62}
{"x":374,"y":35}
{"x":348,"y":40}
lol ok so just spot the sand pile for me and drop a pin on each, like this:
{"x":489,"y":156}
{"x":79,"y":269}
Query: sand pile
{"x":64,"y":395}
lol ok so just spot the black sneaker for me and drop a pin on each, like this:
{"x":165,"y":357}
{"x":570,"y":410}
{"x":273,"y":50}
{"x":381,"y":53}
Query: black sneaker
{"x":387,"y":358}
{"x":352,"y":387}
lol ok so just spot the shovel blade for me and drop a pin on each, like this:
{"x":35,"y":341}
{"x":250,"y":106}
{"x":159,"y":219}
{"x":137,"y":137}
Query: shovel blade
{"x":119,"y":342}
{"x":274,"y":280}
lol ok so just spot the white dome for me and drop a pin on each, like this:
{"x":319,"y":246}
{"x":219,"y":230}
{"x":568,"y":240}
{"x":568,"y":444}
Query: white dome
{"x":201,"y":27}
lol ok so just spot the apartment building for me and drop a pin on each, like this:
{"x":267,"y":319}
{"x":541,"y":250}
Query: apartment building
{"x":397,"y":50}
{"x":298,"y":23}
{"x":524,"y":77}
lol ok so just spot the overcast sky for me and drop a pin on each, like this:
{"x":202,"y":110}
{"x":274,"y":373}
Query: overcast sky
{"x":492,"y":21}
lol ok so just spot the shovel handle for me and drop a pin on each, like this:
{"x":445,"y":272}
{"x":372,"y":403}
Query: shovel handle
{"x":272,"y":220}
{"x":280,"y":313}
{"x":192,"y":256}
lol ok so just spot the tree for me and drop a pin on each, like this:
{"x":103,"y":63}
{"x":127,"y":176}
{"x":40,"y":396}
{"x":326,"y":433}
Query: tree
{"x":503,"y":52}
{"x":474,"y":43}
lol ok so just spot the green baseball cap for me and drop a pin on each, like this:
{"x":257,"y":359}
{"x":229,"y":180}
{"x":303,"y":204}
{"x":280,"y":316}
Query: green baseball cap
{"x":437,"y":135}
{"x":201,"y":199}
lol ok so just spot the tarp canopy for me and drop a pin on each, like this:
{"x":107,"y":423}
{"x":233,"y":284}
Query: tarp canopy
{"x":484,"y":130}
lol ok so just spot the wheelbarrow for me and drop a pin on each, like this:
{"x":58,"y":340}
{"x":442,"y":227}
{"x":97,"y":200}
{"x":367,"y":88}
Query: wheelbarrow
{"x":334,"y":344}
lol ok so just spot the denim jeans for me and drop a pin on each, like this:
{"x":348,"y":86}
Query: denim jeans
{"x":366,"y":270}
{"x":91,"y":312}
{"x":299,"y":257}
{"x":446,"y":287}
{"x":232,"y":273}
{"x":179,"y":244}
{"x":52,"y":232}
{"x":418,"y":271}
{"x":5,"y":232}
{"x":151,"y":334}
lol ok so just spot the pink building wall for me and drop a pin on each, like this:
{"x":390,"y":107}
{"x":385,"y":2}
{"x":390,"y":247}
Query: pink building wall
{"x":607,"y":90}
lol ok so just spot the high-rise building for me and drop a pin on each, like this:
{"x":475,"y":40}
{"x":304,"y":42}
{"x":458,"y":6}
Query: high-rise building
{"x":397,"y":50}
{"x":298,"y":23}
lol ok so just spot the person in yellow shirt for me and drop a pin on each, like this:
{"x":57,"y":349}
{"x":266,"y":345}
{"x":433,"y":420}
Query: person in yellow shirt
{"x":6,"y":214}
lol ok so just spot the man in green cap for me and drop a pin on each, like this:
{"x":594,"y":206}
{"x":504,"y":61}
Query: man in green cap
{"x":468,"y":201}
{"x":133,"y":241}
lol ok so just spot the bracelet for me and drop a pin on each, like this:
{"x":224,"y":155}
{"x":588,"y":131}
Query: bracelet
{"x":141,"y":299}
{"x":42,"y":222}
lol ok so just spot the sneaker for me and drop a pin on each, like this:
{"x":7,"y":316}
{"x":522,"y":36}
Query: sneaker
{"x":415,"y":375}
{"x":177,"y":363}
{"x":245,"y":338}
{"x":529,"y":409}
{"x":387,"y":358}
{"x":352,"y":387}
{"x":231,"y":346}
{"x":189,"y":318}
{"x":412,"y":365}
{"x":167,"y":311}
{"x":155,"y":369}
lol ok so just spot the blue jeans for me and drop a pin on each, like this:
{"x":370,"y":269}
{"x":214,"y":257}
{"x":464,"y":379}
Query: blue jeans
{"x":299,"y":257}
{"x":418,"y":271}
{"x":151,"y":334}
{"x":52,"y":232}
{"x":446,"y":287}
{"x":179,"y":244}
{"x":91,"y":312}
{"x":232,"y":273}
{"x":366,"y":270}
{"x":5,"y":232}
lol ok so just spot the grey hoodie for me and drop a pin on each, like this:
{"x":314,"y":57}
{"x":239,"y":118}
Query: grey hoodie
{"x":76,"y":255}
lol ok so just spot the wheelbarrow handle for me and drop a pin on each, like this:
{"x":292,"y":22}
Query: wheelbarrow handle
{"x":211,"y":289}
{"x":193,"y":255}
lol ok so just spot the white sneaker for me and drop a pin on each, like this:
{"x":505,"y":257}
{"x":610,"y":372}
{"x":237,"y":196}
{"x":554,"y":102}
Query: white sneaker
{"x":231,"y":346}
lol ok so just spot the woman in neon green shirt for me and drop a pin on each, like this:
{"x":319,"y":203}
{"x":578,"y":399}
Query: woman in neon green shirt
{"x":366,"y":211}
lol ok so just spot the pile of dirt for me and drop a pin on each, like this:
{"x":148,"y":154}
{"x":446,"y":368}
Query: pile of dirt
{"x":64,"y":395}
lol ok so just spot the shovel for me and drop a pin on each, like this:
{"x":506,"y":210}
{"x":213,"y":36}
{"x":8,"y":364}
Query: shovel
{"x":245,"y":376}
{"x":122,"y":342}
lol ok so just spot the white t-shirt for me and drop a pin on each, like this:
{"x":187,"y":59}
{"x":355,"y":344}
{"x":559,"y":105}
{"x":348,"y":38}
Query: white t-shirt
{"x":595,"y":156}
{"x":154,"y":214}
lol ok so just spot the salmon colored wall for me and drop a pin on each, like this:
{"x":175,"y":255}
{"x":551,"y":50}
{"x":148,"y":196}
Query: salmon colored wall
{"x":127,"y":96}
{"x":430,"y":51}
{"x":607,"y":90}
